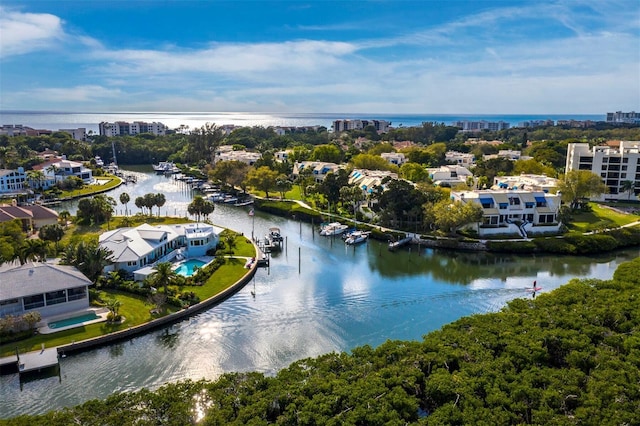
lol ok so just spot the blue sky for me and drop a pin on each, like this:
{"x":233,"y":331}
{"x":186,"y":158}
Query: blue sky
{"x":438,"y":57}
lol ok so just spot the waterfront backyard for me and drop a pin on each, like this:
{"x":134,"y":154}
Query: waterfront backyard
{"x":137,"y":309}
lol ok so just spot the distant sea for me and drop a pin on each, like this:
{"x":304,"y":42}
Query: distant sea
{"x":72,"y":120}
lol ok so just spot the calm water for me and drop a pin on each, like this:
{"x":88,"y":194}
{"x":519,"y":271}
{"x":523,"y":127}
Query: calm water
{"x":65,"y":120}
{"x":318,"y":296}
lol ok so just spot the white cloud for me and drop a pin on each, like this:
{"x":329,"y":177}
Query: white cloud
{"x":27,"y":32}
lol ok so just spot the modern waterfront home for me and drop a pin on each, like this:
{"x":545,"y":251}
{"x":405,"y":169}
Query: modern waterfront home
{"x":614,"y":163}
{"x":514,"y":211}
{"x":59,"y":169}
{"x":44,"y":287}
{"x":137,"y":250}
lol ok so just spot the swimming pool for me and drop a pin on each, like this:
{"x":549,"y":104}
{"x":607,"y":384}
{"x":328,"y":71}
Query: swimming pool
{"x":73,"y":320}
{"x":188,"y":268}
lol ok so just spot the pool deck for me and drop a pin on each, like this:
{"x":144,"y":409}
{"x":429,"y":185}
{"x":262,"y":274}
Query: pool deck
{"x":43,"y":326}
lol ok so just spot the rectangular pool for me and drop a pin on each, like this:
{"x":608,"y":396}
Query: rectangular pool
{"x":73,"y":320}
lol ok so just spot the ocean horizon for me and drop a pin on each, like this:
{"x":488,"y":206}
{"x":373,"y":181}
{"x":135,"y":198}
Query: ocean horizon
{"x":56,"y":120}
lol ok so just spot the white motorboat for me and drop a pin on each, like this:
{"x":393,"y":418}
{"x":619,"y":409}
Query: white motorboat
{"x":166,"y":167}
{"x":333,"y":228}
{"x":274,"y":235}
{"x":357,"y":237}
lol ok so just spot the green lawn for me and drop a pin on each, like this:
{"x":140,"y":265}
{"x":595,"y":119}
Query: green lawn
{"x":93,"y":189}
{"x":599,"y":218}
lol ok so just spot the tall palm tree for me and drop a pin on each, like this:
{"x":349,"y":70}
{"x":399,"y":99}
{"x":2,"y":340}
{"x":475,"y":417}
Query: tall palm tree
{"x":163,"y":276}
{"x":124,"y":199}
{"x":628,"y":186}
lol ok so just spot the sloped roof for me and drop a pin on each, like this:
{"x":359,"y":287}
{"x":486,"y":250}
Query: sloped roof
{"x":16,"y":212}
{"x":36,"y":278}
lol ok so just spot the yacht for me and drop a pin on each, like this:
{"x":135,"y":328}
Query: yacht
{"x":166,"y":167}
{"x":333,"y":228}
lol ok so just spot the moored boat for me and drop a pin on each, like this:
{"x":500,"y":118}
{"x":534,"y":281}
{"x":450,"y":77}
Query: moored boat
{"x":166,"y":167}
{"x":333,"y":228}
{"x":357,"y":237}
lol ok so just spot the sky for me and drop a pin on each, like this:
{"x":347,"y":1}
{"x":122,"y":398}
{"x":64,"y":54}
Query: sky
{"x":391,"y":57}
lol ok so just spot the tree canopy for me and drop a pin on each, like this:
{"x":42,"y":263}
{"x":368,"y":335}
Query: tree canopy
{"x":577,"y":185}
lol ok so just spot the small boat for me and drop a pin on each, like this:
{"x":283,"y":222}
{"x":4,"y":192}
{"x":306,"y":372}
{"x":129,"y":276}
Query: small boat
{"x":230,"y":199}
{"x":333,"y":228}
{"x":357,"y":237}
{"x":274,"y":235}
{"x":397,"y":244}
{"x":166,"y":167}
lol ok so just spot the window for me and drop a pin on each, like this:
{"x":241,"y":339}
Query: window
{"x":503,"y":206}
{"x":32,"y":302}
{"x":55,"y":297}
{"x":77,"y":293}
{"x":487,"y":203}
{"x":132,"y":263}
{"x":529,"y":205}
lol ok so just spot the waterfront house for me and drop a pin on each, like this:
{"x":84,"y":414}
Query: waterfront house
{"x":12,"y":181}
{"x":44,"y":287}
{"x":32,"y":217}
{"x":515,"y":212}
{"x":142,"y":247}
{"x":59,"y":169}
{"x":319,"y":169}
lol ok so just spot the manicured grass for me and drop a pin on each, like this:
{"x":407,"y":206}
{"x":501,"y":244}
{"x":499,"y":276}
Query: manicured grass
{"x":134,"y":308}
{"x":600,"y":218}
{"x":220,"y":280}
{"x":93,"y":189}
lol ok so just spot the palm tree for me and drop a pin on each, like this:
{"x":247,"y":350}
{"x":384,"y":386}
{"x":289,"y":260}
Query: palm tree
{"x":32,"y":250}
{"x":159,"y":201}
{"x":628,"y":186}
{"x":114,"y":306}
{"x":163,"y":276}
{"x":124,"y":199}
{"x":64,"y":216}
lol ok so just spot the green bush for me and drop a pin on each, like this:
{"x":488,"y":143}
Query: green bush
{"x":555,"y":245}
{"x":595,"y":243}
{"x":512,"y":246}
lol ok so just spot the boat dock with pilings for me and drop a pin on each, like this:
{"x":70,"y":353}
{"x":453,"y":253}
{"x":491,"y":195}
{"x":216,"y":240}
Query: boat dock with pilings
{"x":32,"y":363}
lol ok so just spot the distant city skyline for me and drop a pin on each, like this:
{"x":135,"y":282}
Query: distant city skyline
{"x":400,"y":57}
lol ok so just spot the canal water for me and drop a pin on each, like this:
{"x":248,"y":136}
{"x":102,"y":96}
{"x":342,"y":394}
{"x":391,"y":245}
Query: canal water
{"x":318,"y":296}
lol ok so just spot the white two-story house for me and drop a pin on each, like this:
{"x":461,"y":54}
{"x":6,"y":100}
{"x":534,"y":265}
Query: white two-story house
{"x":514,"y":211}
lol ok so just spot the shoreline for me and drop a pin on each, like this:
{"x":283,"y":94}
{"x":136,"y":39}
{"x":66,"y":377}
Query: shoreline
{"x":109,"y":338}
